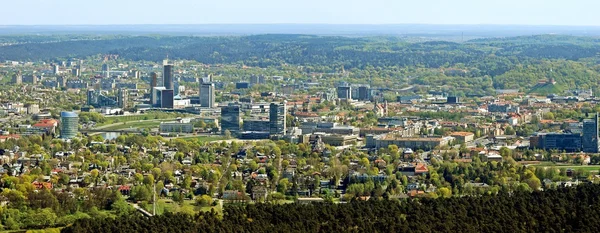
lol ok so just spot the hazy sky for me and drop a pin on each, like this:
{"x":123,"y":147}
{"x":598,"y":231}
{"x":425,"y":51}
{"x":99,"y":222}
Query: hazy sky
{"x":531,"y":12}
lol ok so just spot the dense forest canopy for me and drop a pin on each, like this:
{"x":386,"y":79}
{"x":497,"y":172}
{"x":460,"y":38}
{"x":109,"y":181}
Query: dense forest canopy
{"x":562,"y":210}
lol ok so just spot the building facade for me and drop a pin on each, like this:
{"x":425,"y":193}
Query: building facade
{"x":277,"y":118}
{"x":207,"y":95}
{"x":344,"y":92}
{"x":590,"y":135}
{"x":168,"y":77}
{"x":230,"y":119}
{"x":69,"y":122}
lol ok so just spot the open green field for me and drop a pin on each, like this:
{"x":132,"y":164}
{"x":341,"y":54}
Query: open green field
{"x":137,"y":124}
{"x":590,"y":168}
{"x":167,"y":205}
{"x":141,"y":117}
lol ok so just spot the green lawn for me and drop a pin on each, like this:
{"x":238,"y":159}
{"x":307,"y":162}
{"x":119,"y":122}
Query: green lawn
{"x":136,"y":124}
{"x":590,"y":168}
{"x":146,"y":116}
{"x":187,"y":206}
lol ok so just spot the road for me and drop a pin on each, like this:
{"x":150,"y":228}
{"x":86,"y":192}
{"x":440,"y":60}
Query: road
{"x":141,"y":210}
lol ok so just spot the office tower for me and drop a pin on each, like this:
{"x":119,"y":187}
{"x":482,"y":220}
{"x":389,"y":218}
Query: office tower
{"x":75,"y":72}
{"x":590,"y":135}
{"x":166,"y":98}
{"x":122,"y":98}
{"x":105,"y":70}
{"x":176,"y":88}
{"x":230,"y":119}
{"x":153,"y":84}
{"x":363,"y":93}
{"x":168,"y":77}
{"x":277,"y":117}
{"x":156,"y":96}
{"x":344,"y":92}
{"x":207,"y":95}
{"x":69,"y":122}
{"x":136,"y":74}
{"x":62,"y":81}
{"x":92,"y":98}
{"x":154,"y":80}
{"x":17,"y":78}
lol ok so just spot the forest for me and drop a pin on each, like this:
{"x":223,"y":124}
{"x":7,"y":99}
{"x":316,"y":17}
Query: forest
{"x":487,"y":63}
{"x":556,"y":210}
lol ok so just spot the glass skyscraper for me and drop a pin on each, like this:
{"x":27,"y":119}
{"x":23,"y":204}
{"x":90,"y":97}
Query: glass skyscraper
{"x":230,"y":119}
{"x":69,"y":122}
{"x":590,"y":135}
{"x":277,"y":115}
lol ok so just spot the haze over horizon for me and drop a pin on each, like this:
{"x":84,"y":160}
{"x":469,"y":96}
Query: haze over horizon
{"x":151,"y":12}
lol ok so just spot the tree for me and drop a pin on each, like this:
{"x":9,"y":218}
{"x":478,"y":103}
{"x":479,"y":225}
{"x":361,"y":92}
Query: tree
{"x":549,"y":116}
{"x":444,"y":192}
{"x":203,"y":200}
{"x":509,"y":130}
{"x":283,"y":185}
{"x":227,"y":134}
{"x":121,"y":207}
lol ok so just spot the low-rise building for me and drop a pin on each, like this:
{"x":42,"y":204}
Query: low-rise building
{"x":179,"y":126}
{"x":425,"y":143}
{"x":463,"y":136}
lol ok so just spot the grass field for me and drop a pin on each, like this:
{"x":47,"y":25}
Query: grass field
{"x":590,"y":168}
{"x":146,"y":116}
{"x":167,"y":205}
{"x":136,"y":124}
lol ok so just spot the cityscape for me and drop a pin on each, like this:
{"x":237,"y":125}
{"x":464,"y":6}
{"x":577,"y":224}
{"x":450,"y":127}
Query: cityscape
{"x":458,"y":126}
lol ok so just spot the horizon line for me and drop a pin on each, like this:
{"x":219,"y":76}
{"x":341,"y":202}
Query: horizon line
{"x":327,"y":24}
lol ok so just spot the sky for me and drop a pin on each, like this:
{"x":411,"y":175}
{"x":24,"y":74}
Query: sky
{"x":110,"y":12}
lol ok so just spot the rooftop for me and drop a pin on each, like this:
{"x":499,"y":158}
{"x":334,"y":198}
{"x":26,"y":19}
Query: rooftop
{"x":68,"y":114}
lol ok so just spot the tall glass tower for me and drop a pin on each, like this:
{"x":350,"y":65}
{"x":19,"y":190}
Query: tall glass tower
{"x":69,"y":122}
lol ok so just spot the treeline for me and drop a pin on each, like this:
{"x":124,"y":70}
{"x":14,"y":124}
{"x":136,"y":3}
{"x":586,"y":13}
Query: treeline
{"x":562,"y":210}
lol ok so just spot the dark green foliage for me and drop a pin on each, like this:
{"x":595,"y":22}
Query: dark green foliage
{"x":570,"y":210}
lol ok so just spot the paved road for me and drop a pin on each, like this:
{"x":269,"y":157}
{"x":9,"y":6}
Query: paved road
{"x":141,"y":210}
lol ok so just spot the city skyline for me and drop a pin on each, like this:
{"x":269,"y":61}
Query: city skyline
{"x":112,"y":12}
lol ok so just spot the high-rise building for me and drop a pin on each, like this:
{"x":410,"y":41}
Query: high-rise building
{"x":17,"y":78}
{"x":92,"y":98}
{"x":153,"y":84}
{"x":56,"y":69}
{"x":61,"y":81}
{"x":122,"y":96}
{"x":344,"y":92}
{"x":230,"y":119}
{"x":176,"y":88}
{"x":168,"y":77}
{"x":363,"y":93}
{"x":166,"y":98}
{"x":105,"y":70}
{"x":277,"y":117}
{"x":207,"y":95}
{"x":76,"y":72}
{"x":157,"y":96}
{"x":590,"y":135}
{"x":154,"y":80}
{"x":69,"y":122}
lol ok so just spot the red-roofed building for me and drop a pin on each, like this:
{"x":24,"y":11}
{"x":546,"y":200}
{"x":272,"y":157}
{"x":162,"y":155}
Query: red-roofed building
{"x":125,"y":189}
{"x":44,"y":126}
{"x":3,"y":138}
{"x":421,"y":169}
{"x":42,"y":185}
